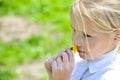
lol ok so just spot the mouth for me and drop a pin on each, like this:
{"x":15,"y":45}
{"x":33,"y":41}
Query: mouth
{"x":81,"y":51}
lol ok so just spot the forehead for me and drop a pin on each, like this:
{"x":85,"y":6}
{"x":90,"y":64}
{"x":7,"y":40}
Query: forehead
{"x":90,"y":26}
{"x":84,"y":25}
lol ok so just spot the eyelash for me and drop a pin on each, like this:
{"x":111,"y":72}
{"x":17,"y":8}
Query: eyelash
{"x":88,"y":35}
{"x":83,"y":34}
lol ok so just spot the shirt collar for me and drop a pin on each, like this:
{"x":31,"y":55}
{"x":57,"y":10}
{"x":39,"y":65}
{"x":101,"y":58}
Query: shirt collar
{"x":102,"y":61}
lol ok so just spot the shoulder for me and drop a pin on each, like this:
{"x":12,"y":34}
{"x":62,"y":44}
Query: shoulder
{"x":113,"y":74}
{"x":113,"y":71}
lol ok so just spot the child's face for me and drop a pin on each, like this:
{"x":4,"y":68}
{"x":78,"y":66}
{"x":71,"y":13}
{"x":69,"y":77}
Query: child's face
{"x":98,"y":43}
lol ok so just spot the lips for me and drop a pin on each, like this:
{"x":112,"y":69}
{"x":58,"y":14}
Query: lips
{"x":81,"y":51}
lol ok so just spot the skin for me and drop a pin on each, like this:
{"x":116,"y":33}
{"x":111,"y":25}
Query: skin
{"x":93,"y":44}
{"x":60,"y":66}
{"x":96,"y":44}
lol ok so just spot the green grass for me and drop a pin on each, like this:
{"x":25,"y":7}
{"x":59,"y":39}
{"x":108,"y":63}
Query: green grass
{"x":54,"y":35}
{"x":7,"y":74}
{"x":44,"y":74}
{"x":49,"y":41}
{"x":38,"y":10}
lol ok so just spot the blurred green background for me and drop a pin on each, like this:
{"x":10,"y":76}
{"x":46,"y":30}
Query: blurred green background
{"x":55,"y":33}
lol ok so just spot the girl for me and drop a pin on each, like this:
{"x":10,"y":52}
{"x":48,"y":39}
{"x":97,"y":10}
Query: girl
{"x":96,"y":33}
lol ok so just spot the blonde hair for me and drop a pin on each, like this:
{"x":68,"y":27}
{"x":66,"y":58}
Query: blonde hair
{"x":104,"y":13}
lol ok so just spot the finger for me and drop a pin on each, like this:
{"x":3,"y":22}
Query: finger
{"x":50,"y":61}
{"x":71,"y":55}
{"x":65,"y":57}
{"x":47,"y":65}
{"x":59,"y":54}
{"x":54,"y":66}
{"x":59,"y":63}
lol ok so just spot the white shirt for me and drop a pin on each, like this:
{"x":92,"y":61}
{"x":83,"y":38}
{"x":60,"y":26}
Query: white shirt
{"x":103,"y":68}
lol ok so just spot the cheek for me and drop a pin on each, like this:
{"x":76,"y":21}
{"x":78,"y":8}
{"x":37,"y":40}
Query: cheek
{"x":95,"y":47}
{"x":98,"y":48}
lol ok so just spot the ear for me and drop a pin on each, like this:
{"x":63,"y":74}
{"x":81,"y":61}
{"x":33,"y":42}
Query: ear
{"x":117,"y":34}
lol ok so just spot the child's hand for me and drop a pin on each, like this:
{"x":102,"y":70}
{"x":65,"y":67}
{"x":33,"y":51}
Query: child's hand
{"x":48,"y":65}
{"x":63,"y":65}
{"x":49,"y":68}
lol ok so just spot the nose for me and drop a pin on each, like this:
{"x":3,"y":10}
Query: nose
{"x":78,"y":40}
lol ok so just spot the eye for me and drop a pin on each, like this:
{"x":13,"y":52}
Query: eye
{"x":87,"y":35}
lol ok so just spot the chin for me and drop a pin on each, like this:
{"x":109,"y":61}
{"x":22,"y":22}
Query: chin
{"x":83,"y":57}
